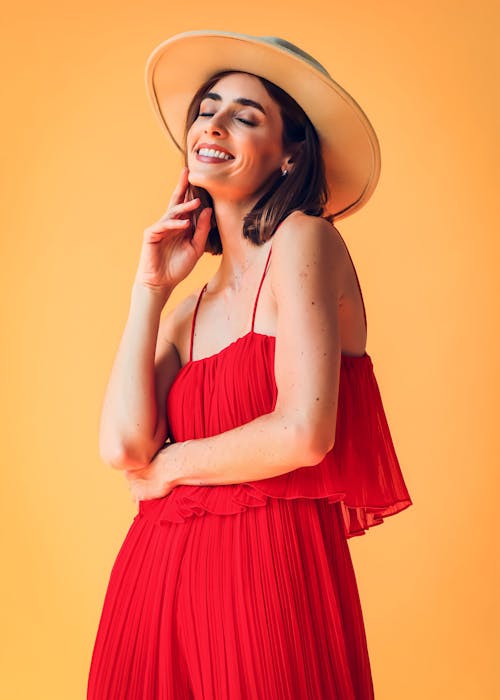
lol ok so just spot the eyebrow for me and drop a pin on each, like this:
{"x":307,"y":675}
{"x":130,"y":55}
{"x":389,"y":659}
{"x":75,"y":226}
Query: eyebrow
{"x":240,"y":100}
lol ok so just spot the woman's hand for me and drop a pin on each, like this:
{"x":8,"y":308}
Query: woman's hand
{"x":158,"y":478}
{"x":170,"y":249}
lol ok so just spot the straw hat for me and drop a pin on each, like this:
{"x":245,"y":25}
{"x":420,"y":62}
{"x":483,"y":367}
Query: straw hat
{"x":178,"y":66}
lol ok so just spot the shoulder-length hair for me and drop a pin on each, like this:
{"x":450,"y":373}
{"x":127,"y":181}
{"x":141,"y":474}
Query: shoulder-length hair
{"x":304,"y":188}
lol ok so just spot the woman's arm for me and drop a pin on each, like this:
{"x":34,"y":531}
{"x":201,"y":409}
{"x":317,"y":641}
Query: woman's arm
{"x":133,"y":422}
{"x":266,"y":446}
{"x":129,"y":432}
{"x":306,"y":272}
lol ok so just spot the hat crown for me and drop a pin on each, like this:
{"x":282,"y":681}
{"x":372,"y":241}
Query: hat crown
{"x":292,"y":48}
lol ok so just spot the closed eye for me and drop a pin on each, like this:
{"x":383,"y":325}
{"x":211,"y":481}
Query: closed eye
{"x":245,"y":121}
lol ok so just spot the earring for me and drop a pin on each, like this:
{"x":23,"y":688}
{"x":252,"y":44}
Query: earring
{"x":284,"y":172}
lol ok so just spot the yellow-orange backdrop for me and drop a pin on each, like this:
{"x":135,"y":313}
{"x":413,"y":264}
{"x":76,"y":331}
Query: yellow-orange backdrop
{"x":86,"y":168}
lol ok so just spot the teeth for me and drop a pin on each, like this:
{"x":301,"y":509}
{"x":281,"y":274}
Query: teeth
{"x":214,"y":154}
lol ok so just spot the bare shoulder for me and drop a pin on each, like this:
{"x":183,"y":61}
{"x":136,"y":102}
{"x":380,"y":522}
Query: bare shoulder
{"x":307,"y":232}
{"x":302,"y":240}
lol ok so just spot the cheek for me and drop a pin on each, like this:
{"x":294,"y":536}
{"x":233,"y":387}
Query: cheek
{"x":261,"y":154}
{"x":192,"y":136}
{"x":265,"y":161}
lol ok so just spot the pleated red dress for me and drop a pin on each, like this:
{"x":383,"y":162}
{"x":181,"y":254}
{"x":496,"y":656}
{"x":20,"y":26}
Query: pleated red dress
{"x":247,"y":591}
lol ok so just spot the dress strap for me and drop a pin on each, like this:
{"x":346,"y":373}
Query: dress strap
{"x":355,"y":273}
{"x":260,"y":285}
{"x":194,"y":320}
{"x":357,"y":281}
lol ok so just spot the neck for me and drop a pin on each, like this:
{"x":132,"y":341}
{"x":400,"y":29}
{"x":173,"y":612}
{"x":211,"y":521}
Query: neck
{"x":240,"y":256}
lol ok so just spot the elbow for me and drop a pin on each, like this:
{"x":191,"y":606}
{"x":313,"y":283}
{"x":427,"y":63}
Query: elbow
{"x":327,"y":439}
{"x":319,"y":449}
{"x":313,"y":443}
{"x":132,"y":453}
{"x":122,"y":458}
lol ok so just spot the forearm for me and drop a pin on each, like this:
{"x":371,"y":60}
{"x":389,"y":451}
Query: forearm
{"x":129,"y":412}
{"x":265,"y":447}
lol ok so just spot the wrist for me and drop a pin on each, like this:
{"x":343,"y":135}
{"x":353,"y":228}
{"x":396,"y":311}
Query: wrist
{"x":179,"y":474}
{"x":149,"y":295}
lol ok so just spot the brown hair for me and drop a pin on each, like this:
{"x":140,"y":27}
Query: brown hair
{"x":304,"y":188}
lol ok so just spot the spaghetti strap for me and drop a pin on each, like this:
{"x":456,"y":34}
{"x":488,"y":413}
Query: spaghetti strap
{"x":357,"y":282}
{"x":193,"y":321}
{"x":258,"y":294}
{"x":260,"y":285}
{"x":355,"y":273}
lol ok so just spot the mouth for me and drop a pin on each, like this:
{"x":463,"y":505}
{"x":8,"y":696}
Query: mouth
{"x":212,"y":155}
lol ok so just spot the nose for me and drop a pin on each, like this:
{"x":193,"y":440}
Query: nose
{"x":215,"y":124}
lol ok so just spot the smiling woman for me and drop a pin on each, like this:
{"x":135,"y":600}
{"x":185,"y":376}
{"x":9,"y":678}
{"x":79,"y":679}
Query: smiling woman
{"x":248,"y":420}
{"x":278,"y":125}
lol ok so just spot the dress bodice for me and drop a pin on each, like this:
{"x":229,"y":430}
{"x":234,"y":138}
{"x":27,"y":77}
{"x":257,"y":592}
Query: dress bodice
{"x":236,"y":385}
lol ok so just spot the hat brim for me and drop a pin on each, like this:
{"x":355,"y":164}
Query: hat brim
{"x":179,"y":65}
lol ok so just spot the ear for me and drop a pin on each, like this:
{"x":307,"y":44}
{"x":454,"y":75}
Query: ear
{"x":290,"y":156}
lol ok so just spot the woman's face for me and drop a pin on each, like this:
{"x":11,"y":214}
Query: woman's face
{"x":251,"y":134}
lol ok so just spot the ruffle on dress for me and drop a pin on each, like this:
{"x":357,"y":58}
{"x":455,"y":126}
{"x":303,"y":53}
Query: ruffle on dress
{"x":232,"y":387}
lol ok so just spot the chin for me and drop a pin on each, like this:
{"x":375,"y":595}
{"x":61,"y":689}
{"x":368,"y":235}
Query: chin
{"x":201,"y":182}
{"x":196,"y":174}
{"x":194,"y":178}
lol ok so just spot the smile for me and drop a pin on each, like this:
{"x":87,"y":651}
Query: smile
{"x":209,"y":155}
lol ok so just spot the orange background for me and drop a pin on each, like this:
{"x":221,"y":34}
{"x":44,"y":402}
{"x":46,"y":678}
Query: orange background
{"x":86,"y":168}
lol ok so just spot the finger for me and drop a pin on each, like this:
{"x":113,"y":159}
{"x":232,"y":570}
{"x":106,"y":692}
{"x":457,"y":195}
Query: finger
{"x":186,"y":192}
{"x":180,"y":189}
{"x":167,"y":225}
{"x":178,"y":209}
{"x":156,"y":232}
{"x":182,"y":184}
{"x":183,"y":206}
{"x":200,"y":235}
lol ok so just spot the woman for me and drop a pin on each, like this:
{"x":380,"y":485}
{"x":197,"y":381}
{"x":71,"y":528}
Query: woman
{"x":248,"y":420}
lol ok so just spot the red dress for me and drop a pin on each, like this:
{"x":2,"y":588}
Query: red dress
{"x":247,"y":591}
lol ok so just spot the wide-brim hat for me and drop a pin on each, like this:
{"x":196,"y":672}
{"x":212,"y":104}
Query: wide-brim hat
{"x":178,"y":66}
